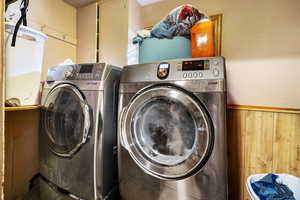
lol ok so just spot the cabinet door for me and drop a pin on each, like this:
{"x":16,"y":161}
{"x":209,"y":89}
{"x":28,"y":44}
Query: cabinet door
{"x":87,"y":34}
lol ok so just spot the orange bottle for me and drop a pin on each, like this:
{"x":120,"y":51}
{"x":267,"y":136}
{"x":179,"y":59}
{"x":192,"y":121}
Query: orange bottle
{"x":203,"y":39}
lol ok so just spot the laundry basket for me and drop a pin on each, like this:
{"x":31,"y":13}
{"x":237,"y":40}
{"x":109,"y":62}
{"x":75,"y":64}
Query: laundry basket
{"x":291,"y":181}
{"x":23,"y":64}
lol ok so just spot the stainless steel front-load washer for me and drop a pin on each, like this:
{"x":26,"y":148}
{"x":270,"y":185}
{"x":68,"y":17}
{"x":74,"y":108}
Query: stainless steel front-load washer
{"x":172,"y":130}
{"x":78,"y":141}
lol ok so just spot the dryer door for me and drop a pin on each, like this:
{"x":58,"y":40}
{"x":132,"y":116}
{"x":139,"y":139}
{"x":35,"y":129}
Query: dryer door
{"x":167,"y":132}
{"x":66,"y":120}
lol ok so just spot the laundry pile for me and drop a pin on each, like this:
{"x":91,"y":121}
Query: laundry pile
{"x":268,"y":188}
{"x":177,"y":23}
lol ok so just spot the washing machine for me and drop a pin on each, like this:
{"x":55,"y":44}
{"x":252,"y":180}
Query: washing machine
{"x":172,"y":130}
{"x":78,"y":139}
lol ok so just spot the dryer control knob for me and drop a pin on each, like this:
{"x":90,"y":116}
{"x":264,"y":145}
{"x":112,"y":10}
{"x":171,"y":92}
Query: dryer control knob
{"x":68,"y":74}
{"x":216,"y":72}
{"x":163,"y":70}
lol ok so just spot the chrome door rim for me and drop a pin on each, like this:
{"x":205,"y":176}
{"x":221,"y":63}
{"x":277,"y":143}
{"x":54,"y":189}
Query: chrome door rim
{"x":200,"y":155}
{"x":87,"y":119}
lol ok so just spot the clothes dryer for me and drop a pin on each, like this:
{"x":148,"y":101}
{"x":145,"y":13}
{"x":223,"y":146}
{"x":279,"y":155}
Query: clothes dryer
{"x":78,"y":141}
{"x":172,"y":130}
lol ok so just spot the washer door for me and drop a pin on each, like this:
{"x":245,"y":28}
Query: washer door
{"x":66,"y":120}
{"x":167,"y":132}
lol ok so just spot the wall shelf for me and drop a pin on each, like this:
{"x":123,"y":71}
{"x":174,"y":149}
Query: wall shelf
{"x":22,"y":108}
{"x":264,"y":109}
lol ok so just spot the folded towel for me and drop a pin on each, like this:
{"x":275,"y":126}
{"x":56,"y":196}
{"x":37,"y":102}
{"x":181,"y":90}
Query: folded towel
{"x":268,"y":188}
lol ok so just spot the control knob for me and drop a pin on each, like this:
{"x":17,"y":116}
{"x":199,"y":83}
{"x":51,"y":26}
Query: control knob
{"x":68,"y":74}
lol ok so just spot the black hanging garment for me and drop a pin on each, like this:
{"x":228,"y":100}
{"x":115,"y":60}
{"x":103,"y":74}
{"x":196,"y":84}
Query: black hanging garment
{"x":23,"y":19}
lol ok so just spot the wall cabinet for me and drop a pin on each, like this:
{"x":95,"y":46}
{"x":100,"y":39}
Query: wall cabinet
{"x":87,"y":34}
{"x":102,"y":30}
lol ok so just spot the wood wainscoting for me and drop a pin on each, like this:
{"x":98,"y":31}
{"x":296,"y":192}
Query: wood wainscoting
{"x":261,"y":141}
{"x":21,"y":150}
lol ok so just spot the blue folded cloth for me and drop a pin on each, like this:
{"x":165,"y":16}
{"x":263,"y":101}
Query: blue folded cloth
{"x":177,"y":23}
{"x":268,"y":188}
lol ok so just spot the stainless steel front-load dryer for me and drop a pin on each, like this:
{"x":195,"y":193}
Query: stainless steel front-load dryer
{"x":78,"y":156}
{"x":172,"y":131}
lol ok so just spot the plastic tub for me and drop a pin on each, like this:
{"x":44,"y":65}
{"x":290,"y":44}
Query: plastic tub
{"x":24,"y":64}
{"x":153,"y":49}
{"x":291,"y":181}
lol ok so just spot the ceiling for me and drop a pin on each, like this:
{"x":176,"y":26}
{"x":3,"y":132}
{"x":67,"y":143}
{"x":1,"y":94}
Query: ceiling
{"x":147,"y":2}
{"x":79,"y":3}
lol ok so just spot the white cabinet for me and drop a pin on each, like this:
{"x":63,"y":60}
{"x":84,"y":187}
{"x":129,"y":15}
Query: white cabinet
{"x":87,"y":34}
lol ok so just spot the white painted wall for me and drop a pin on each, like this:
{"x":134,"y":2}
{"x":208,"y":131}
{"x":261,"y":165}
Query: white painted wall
{"x":261,"y":43}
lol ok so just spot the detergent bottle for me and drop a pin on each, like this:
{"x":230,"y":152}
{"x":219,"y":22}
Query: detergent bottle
{"x":203,"y":39}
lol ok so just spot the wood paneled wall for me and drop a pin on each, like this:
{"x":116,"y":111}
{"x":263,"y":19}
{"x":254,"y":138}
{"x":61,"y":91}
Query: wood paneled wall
{"x":21,"y":151}
{"x":261,"y":142}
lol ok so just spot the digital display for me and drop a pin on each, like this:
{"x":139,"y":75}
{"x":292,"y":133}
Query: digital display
{"x":86,"y":69}
{"x":195,"y":65}
{"x":164,"y":65}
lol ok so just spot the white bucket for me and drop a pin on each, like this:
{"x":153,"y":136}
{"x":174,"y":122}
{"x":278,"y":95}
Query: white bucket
{"x":291,"y":181}
{"x":24,"y":64}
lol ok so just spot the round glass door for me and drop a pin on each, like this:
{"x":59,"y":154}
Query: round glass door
{"x":66,"y":120}
{"x":167,"y":132}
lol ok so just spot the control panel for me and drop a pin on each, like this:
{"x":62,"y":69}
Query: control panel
{"x":211,"y":68}
{"x":189,"y":69}
{"x":76,"y":72}
{"x":83,"y":72}
{"x":201,"y":68}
